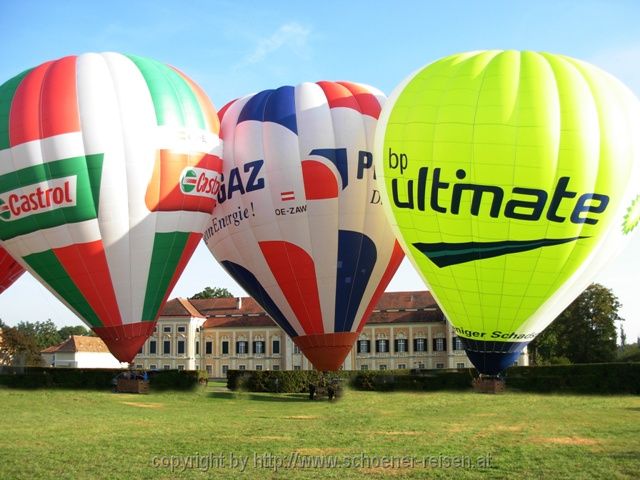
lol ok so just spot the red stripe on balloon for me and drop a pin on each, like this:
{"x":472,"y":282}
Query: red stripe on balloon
{"x":24,"y":117}
{"x":339,"y":96}
{"x":45,"y":103}
{"x":319,"y":181}
{"x":10,"y":270}
{"x":86,"y":265}
{"x":368,"y":102}
{"x":59,"y":102}
{"x":396,"y":259}
{"x":295,"y":273}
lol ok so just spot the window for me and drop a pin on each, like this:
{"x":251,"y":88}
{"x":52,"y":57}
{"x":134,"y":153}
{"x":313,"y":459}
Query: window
{"x":180,"y":367}
{"x":153,"y":347}
{"x":460,"y":365}
{"x":439,"y":345}
{"x":457,"y":343}
{"x":297,"y":367}
{"x":382,"y":346}
{"x":208,"y":347}
{"x":242,"y":367}
{"x":258,"y":368}
{"x":241,"y":347}
{"x":439,"y":365}
{"x":296,"y":349}
{"x":258,"y":347}
{"x":225,"y":348}
{"x":166,"y":329}
{"x":139,"y":367}
{"x":209,"y":369}
{"x":421,"y":366}
{"x":225,"y":369}
{"x":383,"y":367}
{"x":402,"y":366}
{"x":419,"y":345}
{"x":363,"y":346}
{"x":152,"y":366}
{"x":401,"y":345}
{"x":141,"y":351}
{"x":180,"y":347}
{"x":182,"y":329}
{"x":275,"y":346}
{"x":364,"y":367}
{"x":166,"y":347}
{"x":167,"y":367}
{"x":197,"y":347}
{"x":275,"y":367}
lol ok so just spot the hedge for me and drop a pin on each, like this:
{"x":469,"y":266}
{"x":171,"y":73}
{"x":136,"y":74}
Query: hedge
{"x":601,"y":378}
{"x":94,"y":378}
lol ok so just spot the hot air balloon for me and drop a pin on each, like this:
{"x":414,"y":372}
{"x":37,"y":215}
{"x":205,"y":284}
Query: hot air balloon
{"x":108,"y":170}
{"x":10,"y":270}
{"x":511,"y":178}
{"x":299,"y":223}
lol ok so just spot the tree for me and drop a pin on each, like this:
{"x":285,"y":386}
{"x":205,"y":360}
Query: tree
{"x":66,"y":332}
{"x":45,"y":333}
{"x":585,"y":332}
{"x":215,"y":292}
{"x":19,"y":349}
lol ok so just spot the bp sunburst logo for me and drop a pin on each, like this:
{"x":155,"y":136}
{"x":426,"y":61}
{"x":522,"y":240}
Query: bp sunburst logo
{"x":188,"y":181}
{"x":632,"y":217}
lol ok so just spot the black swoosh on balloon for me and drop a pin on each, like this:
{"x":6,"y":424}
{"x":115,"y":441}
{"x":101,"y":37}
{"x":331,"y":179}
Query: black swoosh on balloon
{"x":446,"y":254}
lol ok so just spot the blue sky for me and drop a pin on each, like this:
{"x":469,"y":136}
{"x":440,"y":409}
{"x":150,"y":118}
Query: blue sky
{"x":235,"y":48}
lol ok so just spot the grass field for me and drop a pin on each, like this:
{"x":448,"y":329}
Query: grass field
{"x":213,"y":433}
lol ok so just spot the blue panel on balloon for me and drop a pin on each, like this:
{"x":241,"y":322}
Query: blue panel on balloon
{"x":250,"y":284}
{"x":491,"y":358}
{"x":277,"y":106}
{"x":357,"y":257}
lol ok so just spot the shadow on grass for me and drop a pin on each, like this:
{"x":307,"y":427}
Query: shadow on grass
{"x":264,"y":397}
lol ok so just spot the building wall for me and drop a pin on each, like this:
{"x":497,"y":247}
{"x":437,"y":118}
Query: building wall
{"x":442,"y":350}
{"x":82,"y":360}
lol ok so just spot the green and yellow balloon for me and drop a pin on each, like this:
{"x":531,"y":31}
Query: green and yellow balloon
{"x":510,"y":178}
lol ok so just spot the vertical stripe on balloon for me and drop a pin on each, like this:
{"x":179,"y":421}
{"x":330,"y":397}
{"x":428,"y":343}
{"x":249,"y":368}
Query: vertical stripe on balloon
{"x":357,"y":256}
{"x":251,"y":285}
{"x":394,"y":262}
{"x":174,"y":102}
{"x":7,"y":94}
{"x":49,"y":268}
{"x":59,"y":101}
{"x":169,"y":256}
{"x":368,"y":103}
{"x":209,"y":113}
{"x":86,"y":265}
{"x":299,"y":284}
{"x":24,"y":118}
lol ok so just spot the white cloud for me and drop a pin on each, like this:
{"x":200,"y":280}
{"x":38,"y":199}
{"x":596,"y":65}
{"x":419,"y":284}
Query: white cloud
{"x":292,"y":36}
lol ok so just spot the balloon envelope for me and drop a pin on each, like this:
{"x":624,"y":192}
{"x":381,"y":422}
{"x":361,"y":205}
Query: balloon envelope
{"x":10,"y":270}
{"x":299,"y":223}
{"x":107,"y":167}
{"x":511,"y":178}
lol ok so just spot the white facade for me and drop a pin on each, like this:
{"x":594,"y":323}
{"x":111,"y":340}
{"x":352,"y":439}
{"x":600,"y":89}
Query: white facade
{"x":82,"y":360}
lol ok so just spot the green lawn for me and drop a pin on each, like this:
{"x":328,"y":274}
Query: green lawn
{"x":80,"y":434}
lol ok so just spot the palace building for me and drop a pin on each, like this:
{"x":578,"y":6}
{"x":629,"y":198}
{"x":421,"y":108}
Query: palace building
{"x":406,"y":330}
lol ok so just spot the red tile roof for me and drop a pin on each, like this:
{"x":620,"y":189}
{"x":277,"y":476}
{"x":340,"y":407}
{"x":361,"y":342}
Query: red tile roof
{"x":79,"y":343}
{"x":393,"y":307}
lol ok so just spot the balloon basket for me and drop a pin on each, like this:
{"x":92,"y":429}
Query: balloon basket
{"x":488,"y":384}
